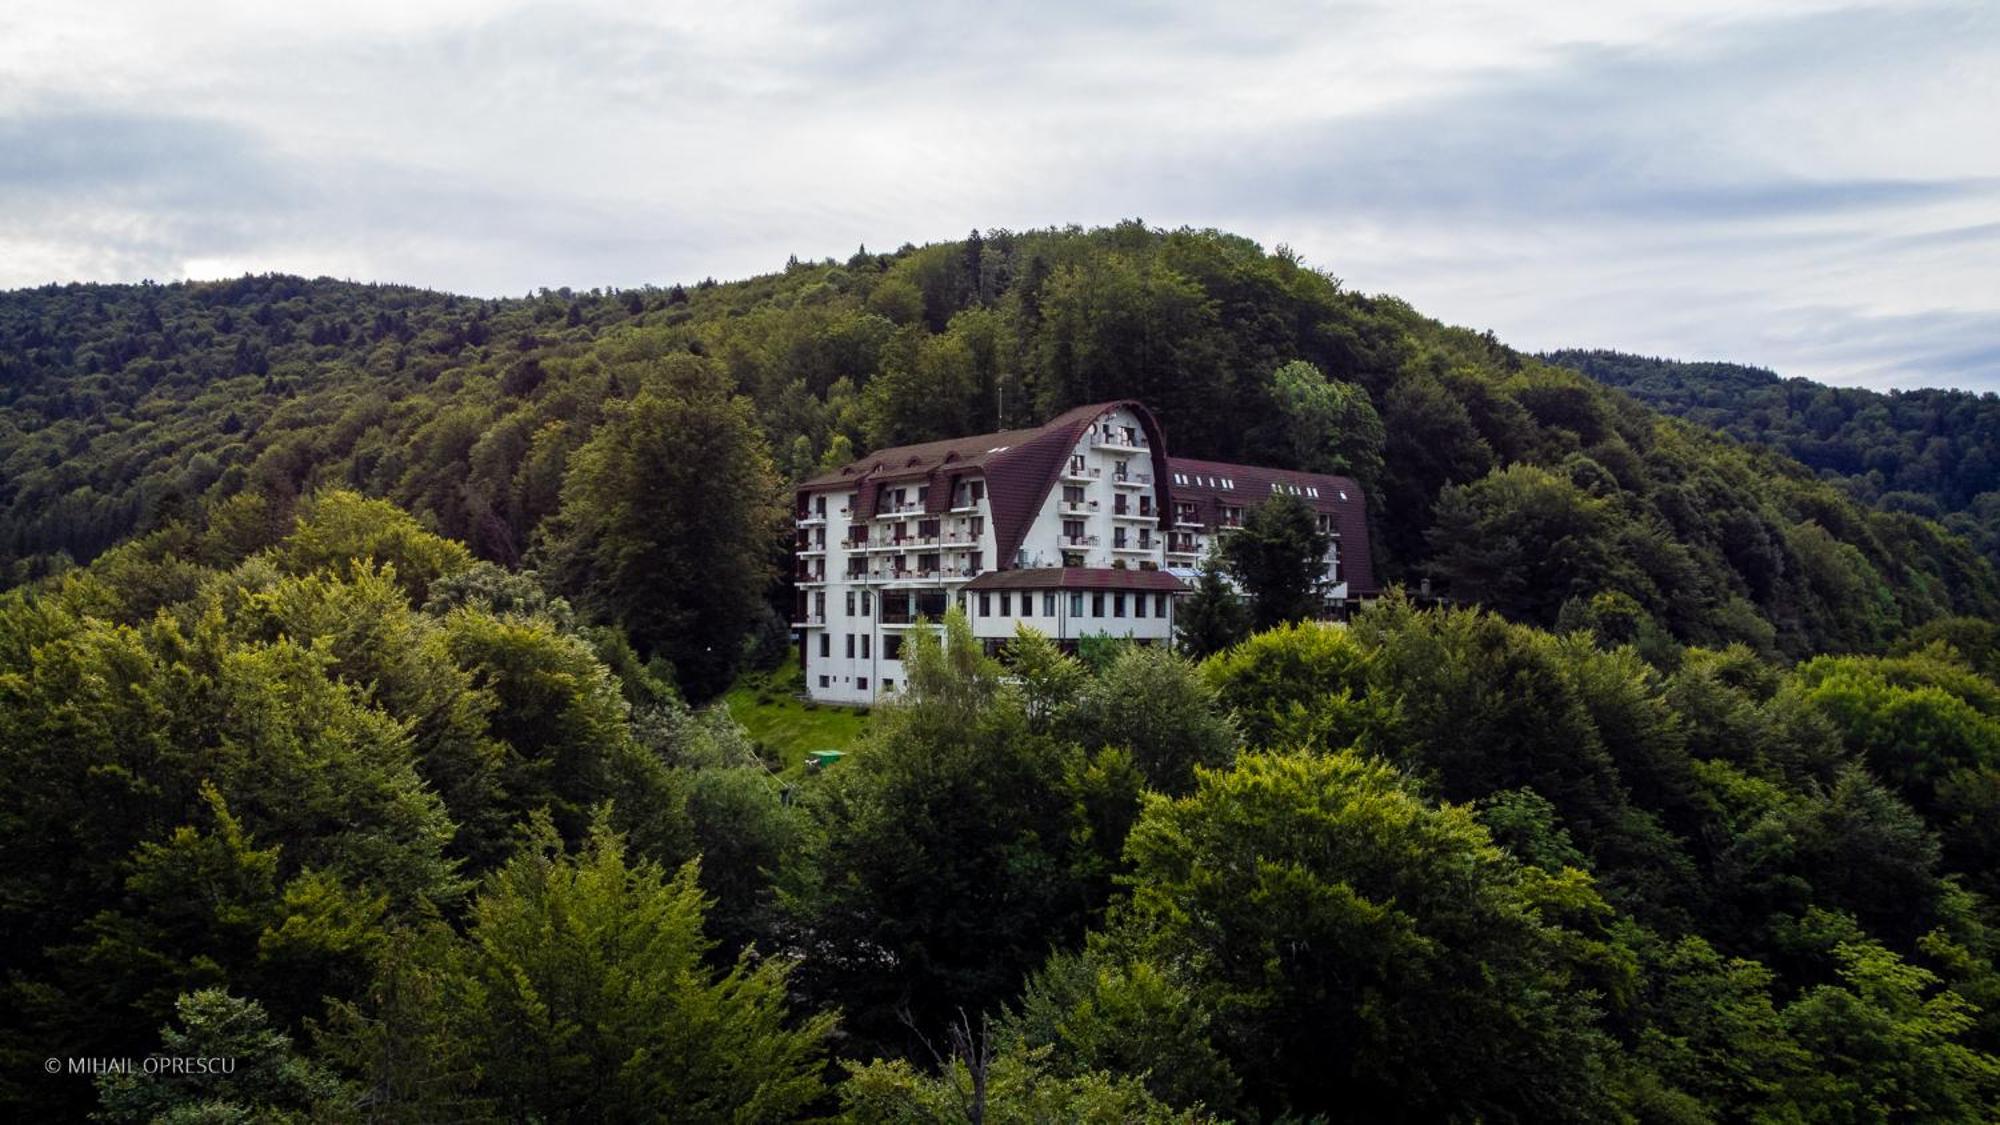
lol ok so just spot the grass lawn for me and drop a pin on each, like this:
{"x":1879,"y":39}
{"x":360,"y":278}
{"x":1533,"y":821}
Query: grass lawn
{"x":769,"y":707}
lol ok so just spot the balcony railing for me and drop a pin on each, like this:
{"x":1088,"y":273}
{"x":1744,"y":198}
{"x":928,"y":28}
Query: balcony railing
{"x":1087,"y":472}
{"x":810,"y":519}
{"x":1079,"y":540}
{"x":809,"y":621}
{"x":1079,"y":507}
{"x":1118,"y":441}
{"x":907,"y":508}
{"x":1132,"y":480}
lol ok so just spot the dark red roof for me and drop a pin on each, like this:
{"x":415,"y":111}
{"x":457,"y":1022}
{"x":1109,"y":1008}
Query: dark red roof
{"x":1078,"y":578}
{"x":1203,"y":483}
{"x":1018,"y":466}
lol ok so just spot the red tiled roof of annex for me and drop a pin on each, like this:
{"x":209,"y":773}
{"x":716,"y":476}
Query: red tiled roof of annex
{"x":1078,"y":578}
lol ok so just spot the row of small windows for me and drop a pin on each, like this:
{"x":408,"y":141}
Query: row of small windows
{"x":1077,"y":601}
{"x":1200,"y":481}
{"x":860,"y":683}
{"x":892,"y":646}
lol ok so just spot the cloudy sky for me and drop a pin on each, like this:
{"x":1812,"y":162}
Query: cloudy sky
{"x":1814,"y":187}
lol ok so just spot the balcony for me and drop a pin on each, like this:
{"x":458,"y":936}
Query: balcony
{"x":810,"y":519}
{"x":809,"y":550}
{"x":892,"y":511}
{"x":1087,"y":472}
{"x":809,"y":578}
{"x":961,"y":539}
{"x":1136,"y":548}
{"x":1079,"y":507}
{"x":1079,"y":540}
{"x":1118,"y":443}
{"x":1129,"y":514}
{"x":1132,"y":480}
{"x":810,"y":621}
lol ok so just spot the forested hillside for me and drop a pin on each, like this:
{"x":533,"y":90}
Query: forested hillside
{"x":568,"y":432}
{"x":1929,"y":451}
{"x":405,"y":840}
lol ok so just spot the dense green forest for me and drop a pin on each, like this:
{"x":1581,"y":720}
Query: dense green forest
{"x":1509,"y":482}
{"x":407,"y":840}
{"x":1931,"y":451}
{"x":360,"y":644}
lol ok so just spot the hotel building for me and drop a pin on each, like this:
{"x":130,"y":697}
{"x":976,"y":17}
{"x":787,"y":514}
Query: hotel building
{"x":1080,"y":527}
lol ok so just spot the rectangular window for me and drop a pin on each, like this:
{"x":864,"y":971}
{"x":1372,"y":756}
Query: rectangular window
{"x":861,"y":683}
{"x":850,"y":646}
{"x":1048,"y":605}
{"x":850,"y":603}
{"x":888,"y":685}
{"x":1138,"y":605}
{"x":1159,"y":605}
{"x":1006,"y":605}
{"x":985,"y":604}
{"x":978,"y":527}
{"x":866,"y":643}
{"x":892,"y":646}
{"x":1072,"y":494}
{"x":1118,"y":505}
{"x":1117,"y":537}
{"x":1027,"y":605}
{"x":978,"y":491}
{"x":1072,"y":529}
{"x":1076,"y":605}
{"x":1097,"y":605}
{"x":867,"y":603}
{"x":819,"y":603}
{"x":1117,"y":605}
{"x":825,"y":646}
{"x":826,"y":681}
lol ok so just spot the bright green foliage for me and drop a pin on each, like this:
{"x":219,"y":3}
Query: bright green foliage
{"x":339,"y":527}
{"x":949,"y":851}
{"x":669,"y":513}
{"x":1279,"y":558}
{"x":1097,"y":1013}
{"x":1887,"y":1045}
{"x":1016,"y":1088}
{"x":267,"y":1080}
{"x":1330,"y":427}
{"x":1364,"y":953}
{"x":1051,"y":680}
{"x":584,"y":996}
{"x":1296,"y":685}
{"x":1213,"y":618}
{"x":1157,"y":705}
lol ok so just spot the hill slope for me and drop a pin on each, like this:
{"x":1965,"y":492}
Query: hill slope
{"x":1932,"y":452}
{"x":1510,"y":481}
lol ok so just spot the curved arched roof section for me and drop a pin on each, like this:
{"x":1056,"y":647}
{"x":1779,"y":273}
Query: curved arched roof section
{"x":1020,"y":468}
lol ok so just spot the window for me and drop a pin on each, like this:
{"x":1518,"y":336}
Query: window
{"x":1027,"y":605}
{"x":1072,"y":494}
{"x":825,"y":646}
{"x":892,"y":646}
{"x":850,"y":646}
{"x":1072,"y":530}
{"x":1139,"y":605}
{"x":819,"y":604}
{"x":819,"y":506}
{"x":928,"y":529}
{"x":1117,"y":537}
{"x":985,"y":604}
{"x":1006,"y":605}
{"x":867,"y":603}
{"x":1076,"y":605}
{"x":1076,"y":463}
{"x":923,"y":493}
{"x":888,"y":685}
{"x":1159,"y":605}
{"x":861,"y":683}
{"x":865,"y":644}
{"x":978,"y":491}
{"x":1048,"y":605}
{"x":1097,"y":605}
{"x":1117,"y":605}
{"x":826,"y":681}
{"x":1118,"y":504}
{"x":978,"y":526}
{"x":850,"y":603}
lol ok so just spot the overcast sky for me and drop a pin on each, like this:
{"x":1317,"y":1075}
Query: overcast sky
{"x":1812,"y":187}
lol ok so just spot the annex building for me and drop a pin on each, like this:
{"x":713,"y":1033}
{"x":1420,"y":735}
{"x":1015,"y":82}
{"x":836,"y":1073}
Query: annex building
{"x":1083,"y":526}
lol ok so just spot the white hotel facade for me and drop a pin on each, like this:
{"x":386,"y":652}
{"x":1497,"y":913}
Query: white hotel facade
{"x":1080,"y":527}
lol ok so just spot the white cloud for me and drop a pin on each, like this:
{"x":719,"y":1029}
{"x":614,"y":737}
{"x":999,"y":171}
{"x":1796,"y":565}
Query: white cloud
{"x":1804,"y":188}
